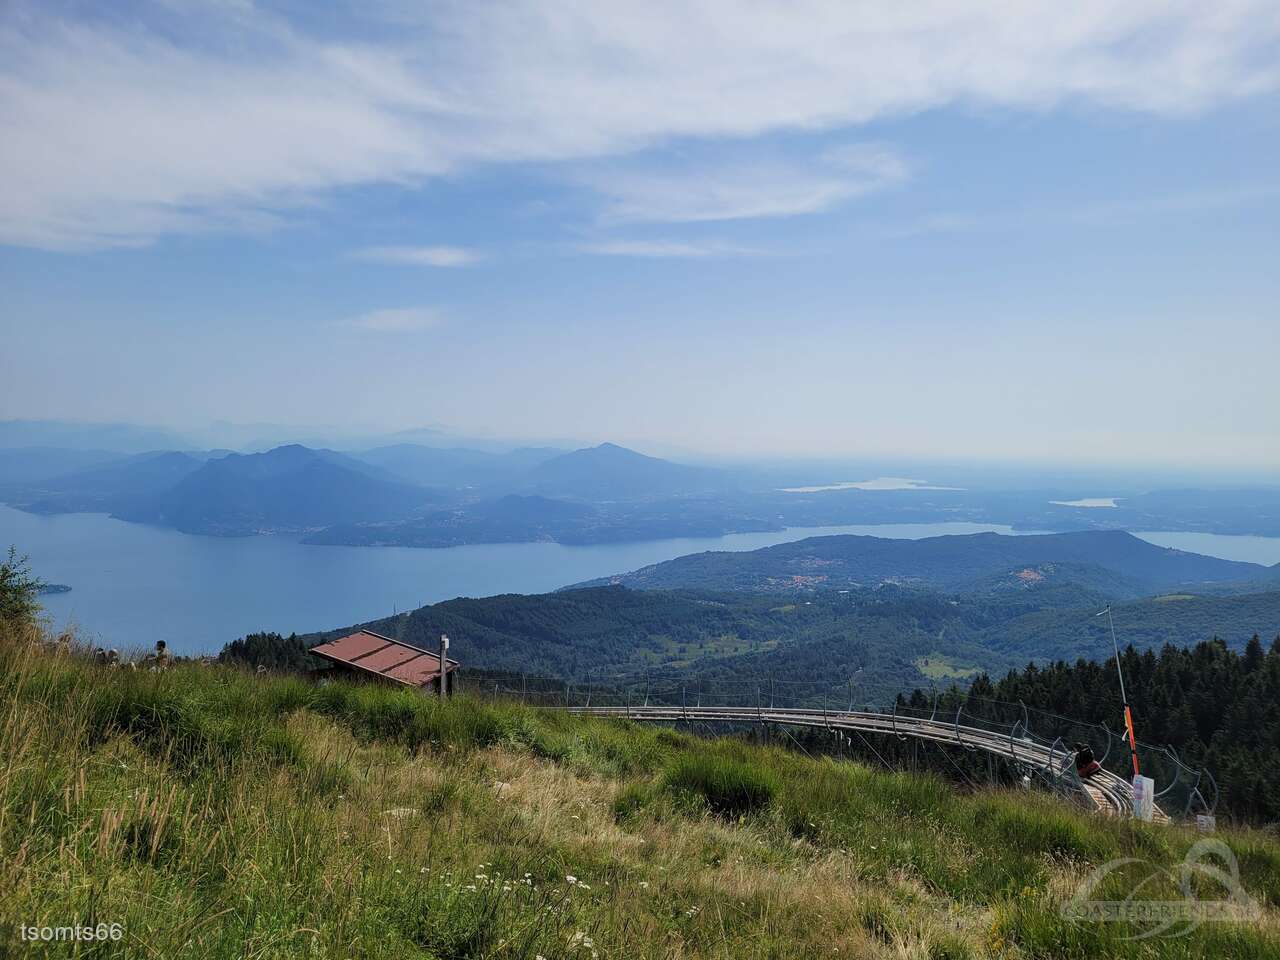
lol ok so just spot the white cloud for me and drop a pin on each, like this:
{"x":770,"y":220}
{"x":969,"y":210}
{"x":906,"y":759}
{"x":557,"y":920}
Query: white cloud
{"x":741,"y":189}
{"x":116,"y":130}
{"x":398,"y":320}
{"x":421,"y":256}
{"x":660,"y":249}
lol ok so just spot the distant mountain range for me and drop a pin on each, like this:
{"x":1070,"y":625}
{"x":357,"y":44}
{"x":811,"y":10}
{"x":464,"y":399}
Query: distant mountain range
{"x":610,"y":472}
{"x":394,"y":494}
{"x":65,"y":434}
{"x":288,"y":489}
{"x":600,"y":494}
{"x":1117,"y":562}
{"x":114,"y":486}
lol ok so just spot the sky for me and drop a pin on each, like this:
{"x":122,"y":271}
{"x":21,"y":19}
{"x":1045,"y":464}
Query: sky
{"x":1028,"y":231}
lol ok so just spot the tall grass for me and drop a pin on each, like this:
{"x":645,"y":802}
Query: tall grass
{"x":215,"y":813}
{"x":731,"y":788}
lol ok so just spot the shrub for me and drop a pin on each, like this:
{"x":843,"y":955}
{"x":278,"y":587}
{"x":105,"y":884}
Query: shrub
{"x":729,"y":788}
{"x":18,"y":589}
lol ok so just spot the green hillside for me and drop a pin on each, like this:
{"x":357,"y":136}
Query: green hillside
{"x":216,"y":814}
{"x":613,"y":633}
{"x":1118,"y":562}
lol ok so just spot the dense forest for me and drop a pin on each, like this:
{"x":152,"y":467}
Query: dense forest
{"x":1216,"y":707}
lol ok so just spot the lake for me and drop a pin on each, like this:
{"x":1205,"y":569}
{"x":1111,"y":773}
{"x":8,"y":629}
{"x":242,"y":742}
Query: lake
{"x":134,"y":584}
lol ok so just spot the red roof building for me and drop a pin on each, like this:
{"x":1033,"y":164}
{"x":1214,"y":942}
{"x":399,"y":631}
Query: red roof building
{"x":371,"y":654}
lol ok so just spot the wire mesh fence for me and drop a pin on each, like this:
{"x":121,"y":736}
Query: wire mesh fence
{"x":1029,"y":744}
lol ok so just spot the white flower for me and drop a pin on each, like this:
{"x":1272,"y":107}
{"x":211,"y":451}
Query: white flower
{"x":570,"y":879}
{"x":644,"y":884}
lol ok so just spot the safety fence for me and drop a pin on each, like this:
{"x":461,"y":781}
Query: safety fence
{"x":977,"y":737}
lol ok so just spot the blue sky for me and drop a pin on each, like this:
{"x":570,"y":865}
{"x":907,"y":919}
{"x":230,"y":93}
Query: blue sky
{"x":923,"y":230}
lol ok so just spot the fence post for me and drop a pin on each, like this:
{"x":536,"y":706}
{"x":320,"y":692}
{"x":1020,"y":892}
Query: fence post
{"x":444,"y":666}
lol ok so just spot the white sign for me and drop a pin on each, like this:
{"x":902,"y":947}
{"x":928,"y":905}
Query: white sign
{"x":1144,"y":797}
{"x":1206,"y":822}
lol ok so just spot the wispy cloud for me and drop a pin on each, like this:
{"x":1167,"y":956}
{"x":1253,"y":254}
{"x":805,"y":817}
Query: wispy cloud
{"x":741,"y":189}
{"x":116,"y":129}
{"x":421,"y":256}
{"x":398,"y":319}
{"x":662,"y":249}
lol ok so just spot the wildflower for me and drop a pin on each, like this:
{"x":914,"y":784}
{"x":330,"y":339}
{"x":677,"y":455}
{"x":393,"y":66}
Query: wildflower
{"x":570,"y":879}
{"x":644,"y":884}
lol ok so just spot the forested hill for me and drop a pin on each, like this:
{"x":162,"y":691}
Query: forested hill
{"x":1217,"y":707}
{"x":1120,"y":563}
{"x":893,"y":638}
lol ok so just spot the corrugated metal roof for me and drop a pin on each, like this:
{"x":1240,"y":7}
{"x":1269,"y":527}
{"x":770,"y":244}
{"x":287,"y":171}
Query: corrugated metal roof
{"x":392,"y":659}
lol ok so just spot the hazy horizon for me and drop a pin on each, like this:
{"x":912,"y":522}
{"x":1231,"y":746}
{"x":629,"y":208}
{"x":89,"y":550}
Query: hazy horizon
{"x":825,"y":465}
{"x":820,"y":231}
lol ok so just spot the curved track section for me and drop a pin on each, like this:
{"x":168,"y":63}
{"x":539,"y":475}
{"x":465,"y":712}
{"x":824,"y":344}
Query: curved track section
{"x":1104,"y":791}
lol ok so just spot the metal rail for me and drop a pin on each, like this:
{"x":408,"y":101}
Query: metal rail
{"x":1105,"y":790}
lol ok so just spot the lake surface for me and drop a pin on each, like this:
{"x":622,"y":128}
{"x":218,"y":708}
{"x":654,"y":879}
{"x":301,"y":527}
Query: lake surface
{"x":1264,"y":550}
{"x":134,"y":584}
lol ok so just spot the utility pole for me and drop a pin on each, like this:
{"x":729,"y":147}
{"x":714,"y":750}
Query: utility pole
{"x":1128,"y":714}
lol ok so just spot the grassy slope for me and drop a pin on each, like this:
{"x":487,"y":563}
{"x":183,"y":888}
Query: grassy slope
{"x":219,"y":814}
